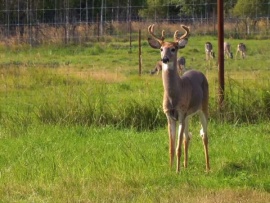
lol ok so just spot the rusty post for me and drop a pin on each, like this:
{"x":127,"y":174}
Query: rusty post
{"x":221,"y":87}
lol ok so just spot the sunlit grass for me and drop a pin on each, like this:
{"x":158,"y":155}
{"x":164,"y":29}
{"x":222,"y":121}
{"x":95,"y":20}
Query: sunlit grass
{"x":100,"y":164}
{"x":79,"y":125}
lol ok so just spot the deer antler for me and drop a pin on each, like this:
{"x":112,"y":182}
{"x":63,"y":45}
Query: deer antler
{"x":151,"y":32}
{"x":163,"y":35}
{"x":176,"y":38}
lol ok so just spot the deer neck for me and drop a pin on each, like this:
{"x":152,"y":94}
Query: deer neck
{"x":171,"y":80}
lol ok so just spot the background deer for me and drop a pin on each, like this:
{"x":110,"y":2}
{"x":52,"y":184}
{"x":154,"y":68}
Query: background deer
{"x":209,"y":51}
{"x":157,"y":69}
{"x":183,"y":96}
{"x":227,"y":50}
{"x":241,"y":47}
{"x":181,"y":63}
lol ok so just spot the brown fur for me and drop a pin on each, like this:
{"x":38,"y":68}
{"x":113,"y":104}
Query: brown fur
{"x":241,"y":47}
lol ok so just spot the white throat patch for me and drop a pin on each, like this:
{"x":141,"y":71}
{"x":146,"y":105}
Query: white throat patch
{"x":167,"y":66}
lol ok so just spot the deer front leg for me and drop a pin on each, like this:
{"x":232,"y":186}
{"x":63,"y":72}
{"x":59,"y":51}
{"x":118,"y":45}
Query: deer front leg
{"x":172,"y":133}
{"x":179,"y":143}
{"x":186,"y":142}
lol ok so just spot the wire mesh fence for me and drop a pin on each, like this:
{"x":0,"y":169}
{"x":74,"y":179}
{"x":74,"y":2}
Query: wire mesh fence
{"x":70,"y":21}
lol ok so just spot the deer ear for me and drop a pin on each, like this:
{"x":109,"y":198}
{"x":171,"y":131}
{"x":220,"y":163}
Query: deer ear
{"x":154,"y":43}
{"x":182,"y":43}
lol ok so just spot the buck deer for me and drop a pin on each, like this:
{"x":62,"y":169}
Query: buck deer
{"x":183,"y":96}
{"x":227,"y":50}
{"x":181,"y":62}
{"x":209,"y":51}
{"x":241,"y":47}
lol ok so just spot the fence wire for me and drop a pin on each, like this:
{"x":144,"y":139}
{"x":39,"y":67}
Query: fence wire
{"x":38,"y":22}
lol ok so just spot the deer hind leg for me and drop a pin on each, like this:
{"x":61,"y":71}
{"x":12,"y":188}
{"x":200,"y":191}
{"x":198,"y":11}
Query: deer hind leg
{"x":172,"y":133}
{"x":187,"y":136}
{"x":243,"y":55}
{"x":203,"y":133}
{"x":183,"y":69}
{"x":157,"y":71}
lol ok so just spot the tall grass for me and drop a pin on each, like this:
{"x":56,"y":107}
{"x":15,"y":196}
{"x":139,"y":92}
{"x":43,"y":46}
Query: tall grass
{"x":68,"y":101}
{"x":98,"y":86}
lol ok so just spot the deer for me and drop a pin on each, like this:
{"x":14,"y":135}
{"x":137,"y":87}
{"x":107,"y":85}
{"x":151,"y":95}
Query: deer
{"x":209,"y":51}
{"x":183,"y":96}
{"x":181,"y":63}
{"x":157,"y":69}
{"x":241,"y":47}
{"x":227,"y":50}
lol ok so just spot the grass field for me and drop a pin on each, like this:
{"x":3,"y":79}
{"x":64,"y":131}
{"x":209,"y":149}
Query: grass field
{"x":79,"y":125}
{"x":80,"y":164}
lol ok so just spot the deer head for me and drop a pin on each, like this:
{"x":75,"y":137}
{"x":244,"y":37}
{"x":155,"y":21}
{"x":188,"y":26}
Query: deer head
{"x":168,"y":49}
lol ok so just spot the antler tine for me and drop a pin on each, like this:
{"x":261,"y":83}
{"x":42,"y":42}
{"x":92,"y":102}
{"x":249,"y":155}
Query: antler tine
{"x":151,"y":32}
{"x":176,"y":38}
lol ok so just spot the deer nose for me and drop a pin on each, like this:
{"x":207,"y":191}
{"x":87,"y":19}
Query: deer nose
{"x":165,"y":59}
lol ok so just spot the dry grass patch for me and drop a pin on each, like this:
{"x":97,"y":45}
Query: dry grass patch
{"x":98,"y":75}
{"x":229,"y":196}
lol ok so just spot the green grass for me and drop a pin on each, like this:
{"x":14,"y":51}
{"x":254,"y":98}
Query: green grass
{"x":79,"y":125}
{"x":73,"y":164}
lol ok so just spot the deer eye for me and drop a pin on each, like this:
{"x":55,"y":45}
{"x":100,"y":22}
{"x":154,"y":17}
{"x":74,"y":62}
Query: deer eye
{"x":173,"y":50}
{"x":161,"y":49}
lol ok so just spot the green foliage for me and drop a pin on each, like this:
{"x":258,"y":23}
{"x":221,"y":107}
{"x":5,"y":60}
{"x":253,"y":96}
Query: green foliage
{"x":250,"y":8}
{"x":195,"y":7}
{"x":155,"y":8}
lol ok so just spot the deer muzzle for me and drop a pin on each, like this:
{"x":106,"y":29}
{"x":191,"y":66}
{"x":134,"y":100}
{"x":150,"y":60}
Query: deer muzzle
{"x":165,"y":59}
